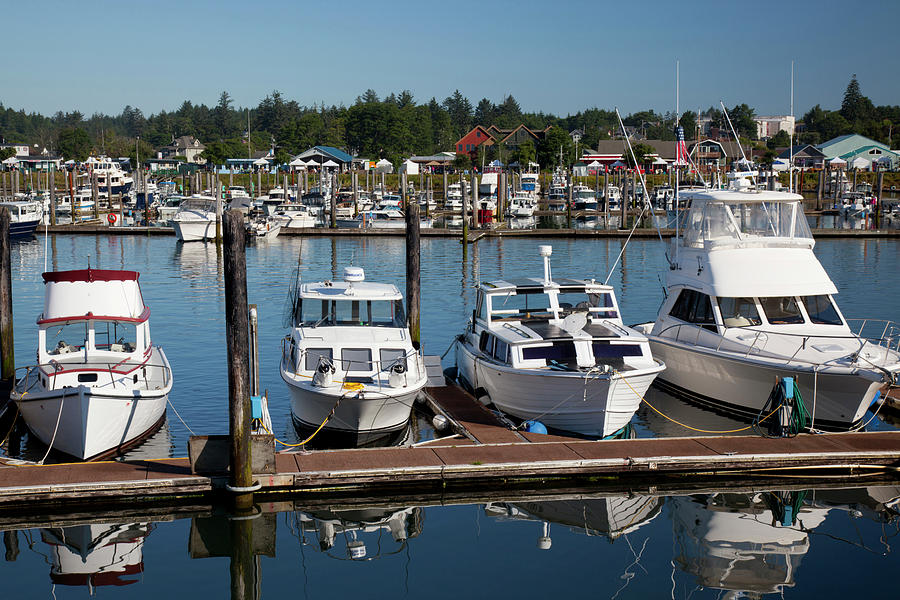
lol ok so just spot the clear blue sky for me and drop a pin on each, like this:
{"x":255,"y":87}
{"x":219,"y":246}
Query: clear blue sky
{"x":557,"y":57}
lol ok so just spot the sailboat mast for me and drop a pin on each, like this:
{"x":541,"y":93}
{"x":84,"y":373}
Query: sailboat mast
{"x":791,"y":142}
{"x":677,"y":153}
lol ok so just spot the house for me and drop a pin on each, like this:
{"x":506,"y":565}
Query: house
{"x":21,"y":149}
{"x":478,"y":136}
{"x":852,"y":146}
{"x":435,"y":163}
{"x":768,"y":126}
{"x":518,"y":136}
{"x":163,"y":166}
{"x":806,"y":156}
{"x":709,"y":153}
{"x":322,"y":154}
{"x":187,"y":146}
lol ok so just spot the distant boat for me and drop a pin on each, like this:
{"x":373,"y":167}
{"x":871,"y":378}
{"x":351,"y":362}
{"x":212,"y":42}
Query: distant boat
{"x":100,"y":384}
{"x":195,"y":220}
{"x":263,"y":228}
{"x":25,"y":215}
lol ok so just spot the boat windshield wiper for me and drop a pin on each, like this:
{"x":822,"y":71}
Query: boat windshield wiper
{"x":319,"y":322}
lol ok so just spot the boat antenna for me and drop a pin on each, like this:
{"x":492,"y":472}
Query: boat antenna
{"x":737,"y":139}
{"x":791,"y":138}
{"x":646,"y":204}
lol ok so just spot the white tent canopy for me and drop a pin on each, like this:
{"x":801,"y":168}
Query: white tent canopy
{"x":298,"y":162}
{"x":837,"y":161}
{"x":859,"y":163}
{"x":594,"y":164}
{"x":409,"y":167}
{"x":329,"y":163}
{"x":384,"y":166}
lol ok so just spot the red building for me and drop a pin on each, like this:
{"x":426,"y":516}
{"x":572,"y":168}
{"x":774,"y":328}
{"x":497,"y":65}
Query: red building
{"x":470,"y":142}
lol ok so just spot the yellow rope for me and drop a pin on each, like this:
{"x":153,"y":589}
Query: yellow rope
{"x":9,"y":433}
{"x":644,"y":400}
{"x":352,"y":386}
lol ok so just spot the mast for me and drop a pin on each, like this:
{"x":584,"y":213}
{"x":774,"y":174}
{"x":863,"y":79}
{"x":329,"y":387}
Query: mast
{"x":677,"y":154}
{"x":791,"y":142}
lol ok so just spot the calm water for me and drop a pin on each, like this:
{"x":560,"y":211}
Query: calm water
{"x":815,"y":543}
{"x":825,"y":543}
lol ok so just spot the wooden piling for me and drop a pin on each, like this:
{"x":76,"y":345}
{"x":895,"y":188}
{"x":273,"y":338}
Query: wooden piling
{"x":95,"y":195}
{"x":52,"y":197}
{"x":7,"y":345}
{"x":445,"y":187}
{"x":404,"y":199}
{"x":333,"y":201}
{"x":465,"y":213}
{"x":244,"y":585}
{"x":820,"y":189}
{"x":879,"y":203}
{"x":218,"y":193}
{"x":237,"y":337}
{"x":71,"y":179}
{"x":606,"y":198}
{"x":354,"y":183}
{"x":626,"y":190}
{"x":475,"y":199}
{"x":502,"y":195}
{"x":569,"y":198}
{"x":413,"y":303}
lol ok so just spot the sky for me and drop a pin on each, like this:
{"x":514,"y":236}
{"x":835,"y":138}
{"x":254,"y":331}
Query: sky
{"x":553,"y":57}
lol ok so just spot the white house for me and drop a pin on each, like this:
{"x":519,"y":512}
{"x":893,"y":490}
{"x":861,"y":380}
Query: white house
{"x":768,"y":126}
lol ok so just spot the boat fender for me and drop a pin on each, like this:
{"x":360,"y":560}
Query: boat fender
{"x":324,"y":376}
{"x":534,"y":427}
{"x":397,"y":375}
{"x":440,"y":422}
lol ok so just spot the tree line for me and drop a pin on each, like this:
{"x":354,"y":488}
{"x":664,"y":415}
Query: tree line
{"x":392,"y":127}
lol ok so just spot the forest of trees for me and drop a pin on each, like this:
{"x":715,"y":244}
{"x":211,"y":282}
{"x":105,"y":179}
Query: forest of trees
{"x":392,"y":127}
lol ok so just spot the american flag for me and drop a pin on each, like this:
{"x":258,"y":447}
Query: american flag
{"x":680,"y":147}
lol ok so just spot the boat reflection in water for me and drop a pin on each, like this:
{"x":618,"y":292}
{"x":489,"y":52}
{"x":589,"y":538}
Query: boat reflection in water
{"x":755,"y":542}
{"x":360,"y":534}
{"x":96,"y":554}
{"x":609,"y":517}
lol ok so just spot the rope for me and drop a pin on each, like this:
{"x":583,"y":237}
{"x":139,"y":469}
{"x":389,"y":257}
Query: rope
{"x":660,"y":413}
{"x":314,"y":433}
{"x":179,"y":416}
{"x":11,"y":427}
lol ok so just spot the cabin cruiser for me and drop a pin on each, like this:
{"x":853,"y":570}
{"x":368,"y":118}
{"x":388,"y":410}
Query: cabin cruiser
{"x":271,"y":201}
{"x":556,"y":197}
{"x":349,"y":362}
{"x":747,"y":301}
{"x":111,"y":179}
{"x":24,"y":217}
{"x":454,"y":197}
{"x":521,"y":205}
{"x":292,"y":214}
{"x":664,"y":197}
{"x":530,"y":181}
{"x":168,"y":208}
{"x":263,"y":228}
{"x":100,"y":384}
{"x":426,"y":201}
{"x":583,"y":198}
{"x":385,"y":218}
{"x":613,"y":197}
{"x":195,"y":220}
{"x":557,"y":351}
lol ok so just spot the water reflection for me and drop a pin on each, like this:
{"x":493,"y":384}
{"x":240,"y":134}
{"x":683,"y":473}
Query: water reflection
{"x":359,"y":535}
{"x":96,"y":554}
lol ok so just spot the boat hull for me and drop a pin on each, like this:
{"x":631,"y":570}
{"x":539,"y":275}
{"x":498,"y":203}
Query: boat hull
{"x":374,"y":412}
{"x":194,"y":231}
{"x":23,"y":229}
{"x":596,"y":405}
{"x":742,"y":387}
{"x":91,"y":425}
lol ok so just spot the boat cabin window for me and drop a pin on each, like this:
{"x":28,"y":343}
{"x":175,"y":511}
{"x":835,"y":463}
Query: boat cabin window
{"x":821,"y":310}
{"x":66,"y":338}
{"x":522,"y":306}
{"x":742,"y":220}
{"x":356,"y":359}
{"x":390,"y":357}
{"x":494,"y":347}
{"x":694,"y":307}
{"x":599,"y":304}
{"x":739,"y":312}
{"x":312,"y":357}
{"x":357,"y":313}
{"x":781,"y":310}
{"x":561,"y":353}
{"x":115,"y":336}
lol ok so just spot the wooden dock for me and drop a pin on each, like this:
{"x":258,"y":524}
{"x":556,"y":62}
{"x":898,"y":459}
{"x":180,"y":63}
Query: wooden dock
{"x":487,"y":457}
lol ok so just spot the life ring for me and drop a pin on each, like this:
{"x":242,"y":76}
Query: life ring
{"x":111,"y":217}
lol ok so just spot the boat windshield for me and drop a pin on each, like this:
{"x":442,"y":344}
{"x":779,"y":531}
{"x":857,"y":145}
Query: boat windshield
{"x":533,"y":306}
{"x":352,"y":313}
{"x":744,"y":221}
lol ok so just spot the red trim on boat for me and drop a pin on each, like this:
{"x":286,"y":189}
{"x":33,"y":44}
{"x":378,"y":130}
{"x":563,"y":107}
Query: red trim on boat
{"x":91,"y":275}
{"x":111,"y":369}
{"x":92,"y":317}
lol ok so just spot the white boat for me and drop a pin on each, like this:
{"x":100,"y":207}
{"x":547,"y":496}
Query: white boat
{"x":747,"y":301}
{"x":292,"y":214}
{"x":263,"y":228}
{"x":168,"y":208}
{"x":531,"y":180}
{"x":25,"y":215}
{"x":100,"y":384}
{"x":454,"y":197}
{"x":664,"y":197}
{"x":195,"y":220}
{"x":343,"y":534}
{"x":556,"y":351}
{"x":556,"y":196}
{"x":584,"y":199}
{"x":349,"y":361}
{"x":613,"y":197}
{"x":522,"y":204}
{"x":271,"y":201}
{"x":385,"y":218}
{"x":109,"y":175}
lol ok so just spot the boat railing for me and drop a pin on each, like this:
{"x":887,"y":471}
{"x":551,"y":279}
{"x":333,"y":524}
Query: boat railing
{"x":116,"y":371}
{"x":376,"y":366}
{"x":888,"y":342}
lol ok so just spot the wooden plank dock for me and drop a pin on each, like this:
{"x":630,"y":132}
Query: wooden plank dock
{"x":490,"y":457}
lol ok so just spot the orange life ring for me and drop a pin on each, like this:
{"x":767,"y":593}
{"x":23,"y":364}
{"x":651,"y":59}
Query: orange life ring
{"x":111,"y":217}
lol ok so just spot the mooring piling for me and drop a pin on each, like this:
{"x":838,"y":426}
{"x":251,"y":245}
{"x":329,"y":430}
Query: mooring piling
{"x":413,"y":302}
{"x":7,"y":346}
{"x":238,"y":345}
